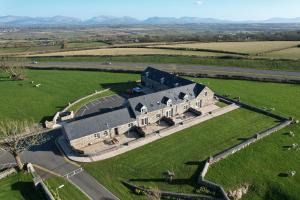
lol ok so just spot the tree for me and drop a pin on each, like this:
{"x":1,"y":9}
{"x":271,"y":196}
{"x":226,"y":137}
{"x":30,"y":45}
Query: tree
{"x":15,"y":68}
{"x":64,"y":44}
{"x":18,"y":136}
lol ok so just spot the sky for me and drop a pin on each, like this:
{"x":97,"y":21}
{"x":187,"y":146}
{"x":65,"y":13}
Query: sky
{"x":141,"y":9}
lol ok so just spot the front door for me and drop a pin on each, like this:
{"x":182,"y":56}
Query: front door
{"x":116,"y":131}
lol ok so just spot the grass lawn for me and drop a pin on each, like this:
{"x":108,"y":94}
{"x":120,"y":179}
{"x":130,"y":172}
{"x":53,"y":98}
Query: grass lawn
{"x":146,"y":165}
{"x":69,"y":191}
{"x":261,"y":164}
{"x":19,"y":186}
{"x":21,"y":100}
{"x":289,"y":65}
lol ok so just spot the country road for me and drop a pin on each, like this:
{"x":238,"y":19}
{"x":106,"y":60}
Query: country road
{"x":49,"y":157}
{"x":211,"y":70}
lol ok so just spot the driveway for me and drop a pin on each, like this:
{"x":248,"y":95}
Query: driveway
{"x":49,"y":157}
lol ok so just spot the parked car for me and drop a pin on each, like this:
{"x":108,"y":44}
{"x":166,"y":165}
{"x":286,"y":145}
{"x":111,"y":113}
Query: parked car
{"x":107,"y":63}
{"x":34,"y":62}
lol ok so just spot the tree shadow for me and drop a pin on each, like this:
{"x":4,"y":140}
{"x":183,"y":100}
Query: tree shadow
{"x":276,"y":193}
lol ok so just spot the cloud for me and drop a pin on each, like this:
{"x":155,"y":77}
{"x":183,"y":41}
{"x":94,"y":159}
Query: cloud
{"x":199,"y":2}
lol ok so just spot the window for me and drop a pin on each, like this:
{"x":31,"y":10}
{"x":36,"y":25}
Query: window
{"x":130,"y":125}
{"x":205,"y":93}
{"x":97,"y":135}
{"x":144,"y":121}
{"x":105,"y":133}
{"x":158,"y":115}
{"x":144,"y":110}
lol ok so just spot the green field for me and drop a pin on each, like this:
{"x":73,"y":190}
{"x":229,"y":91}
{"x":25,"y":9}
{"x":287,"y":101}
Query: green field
{"x":21,"y":100}
{"x":67,"y":192}
{"x":19,"y":186}
{"x":147,"y":164}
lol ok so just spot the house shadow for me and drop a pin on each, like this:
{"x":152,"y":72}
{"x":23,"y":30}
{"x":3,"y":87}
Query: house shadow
{"x":122,"y":88}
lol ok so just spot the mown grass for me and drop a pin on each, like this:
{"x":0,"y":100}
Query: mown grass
{"x":262,"y":163}
{"x":21,"y":100}
{"x":289,"y":65}
{"x":19,"y":186}
{"x":146,"y":165}
{"x":68,"y":191}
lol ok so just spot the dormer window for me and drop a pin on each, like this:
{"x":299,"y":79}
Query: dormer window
{"x":162,"y":80}
{"x":169,"y":102}
{"x":147,"y":74}
{"x":184,"y":96}
{"x":144,"y":110}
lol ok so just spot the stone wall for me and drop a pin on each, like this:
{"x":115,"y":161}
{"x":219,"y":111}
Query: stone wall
{"x":38,"y":182}
{"x":7,"y":172}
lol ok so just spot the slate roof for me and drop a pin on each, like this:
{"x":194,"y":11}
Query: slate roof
{"x":157,"y":100}
{"x":91,"y":125}
{"x":169,"y":79}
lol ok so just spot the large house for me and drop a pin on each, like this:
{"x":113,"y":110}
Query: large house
{"x":171,"y":96}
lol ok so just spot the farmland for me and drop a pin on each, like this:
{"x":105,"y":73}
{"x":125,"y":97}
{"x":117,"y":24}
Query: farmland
{"x":291,"y":53}
{"x":251,"y":48}
{"x":128,"y":51}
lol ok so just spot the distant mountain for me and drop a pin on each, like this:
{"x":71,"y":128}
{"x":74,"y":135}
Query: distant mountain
{"x":283,"y":20}
{"x":111,"y":20}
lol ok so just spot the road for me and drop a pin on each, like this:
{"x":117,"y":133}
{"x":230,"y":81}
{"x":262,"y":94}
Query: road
{"x":48,"y":157}
{"x":211,"y":70}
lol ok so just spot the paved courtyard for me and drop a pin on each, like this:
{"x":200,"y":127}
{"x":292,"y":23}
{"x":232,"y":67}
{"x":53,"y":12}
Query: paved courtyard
{"x":102,"y":105}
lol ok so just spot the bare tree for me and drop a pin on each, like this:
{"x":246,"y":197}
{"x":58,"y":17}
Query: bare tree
{"x":15,"y":68}
{"x":18,"y":136}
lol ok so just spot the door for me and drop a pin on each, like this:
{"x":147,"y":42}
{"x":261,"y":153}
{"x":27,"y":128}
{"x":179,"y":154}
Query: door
{"x":116,"y":131}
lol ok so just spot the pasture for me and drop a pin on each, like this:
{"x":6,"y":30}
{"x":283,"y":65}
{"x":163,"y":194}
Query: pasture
{"x":251,"y":48}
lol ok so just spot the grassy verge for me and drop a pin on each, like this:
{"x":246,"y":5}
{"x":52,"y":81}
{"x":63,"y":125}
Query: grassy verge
{"x":19,"y":186}
{"x":68,"y":191}
{"x":290,"y":65}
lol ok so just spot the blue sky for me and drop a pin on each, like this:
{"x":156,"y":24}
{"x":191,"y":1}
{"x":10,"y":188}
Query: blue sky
{"x":222,"y":9}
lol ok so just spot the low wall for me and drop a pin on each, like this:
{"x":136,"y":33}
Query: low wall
{"x":38,"y":182}
{"x":7,"y":172}
{"x":246,"y":143}
{"x":250,"y":107}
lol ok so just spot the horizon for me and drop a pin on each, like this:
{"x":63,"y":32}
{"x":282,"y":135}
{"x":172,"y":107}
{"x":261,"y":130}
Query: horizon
{"x":233,"y":10}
